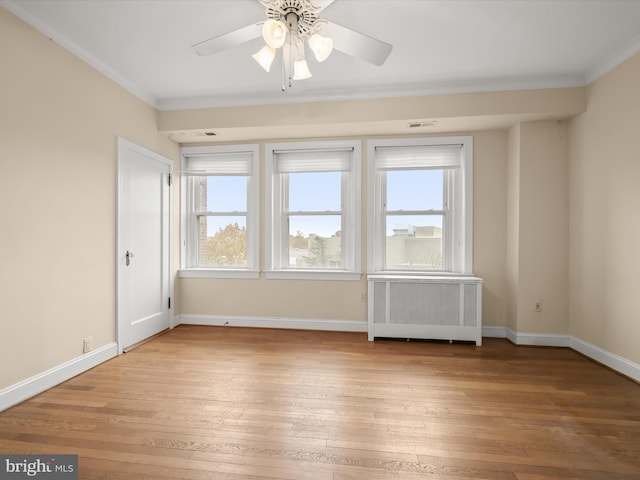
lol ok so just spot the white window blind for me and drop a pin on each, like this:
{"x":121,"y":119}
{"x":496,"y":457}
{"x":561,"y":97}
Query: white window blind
{"x":418,"y":156}
{"x":230,"y":163}
{"x":297,"y":161}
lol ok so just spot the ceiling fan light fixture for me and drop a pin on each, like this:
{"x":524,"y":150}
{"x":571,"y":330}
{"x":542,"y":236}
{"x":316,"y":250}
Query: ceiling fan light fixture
{"x":301,"y":70}
{"x":274,"y":33}
{"x":320,"y":46}
{"x":289,"y":23}
{"x":265,"y":57}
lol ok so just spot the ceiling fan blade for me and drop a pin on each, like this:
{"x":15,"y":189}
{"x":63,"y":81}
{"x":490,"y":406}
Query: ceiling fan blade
{"x":231,"y":39}
{"x":321,"y":4}
{"x":357,"y":44}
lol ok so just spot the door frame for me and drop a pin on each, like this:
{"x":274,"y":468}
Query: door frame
{"x":122,"y":146}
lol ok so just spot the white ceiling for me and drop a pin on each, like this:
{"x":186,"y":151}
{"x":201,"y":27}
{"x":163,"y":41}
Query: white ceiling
{"x":440,"y":46}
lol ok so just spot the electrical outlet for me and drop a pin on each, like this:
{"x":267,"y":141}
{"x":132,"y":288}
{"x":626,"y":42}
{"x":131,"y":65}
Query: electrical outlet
{"x":538,"y":306}
{"x":87,"y":344}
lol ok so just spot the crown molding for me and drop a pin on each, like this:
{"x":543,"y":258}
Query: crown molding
{"x":613,"y":60}
{"x":364,"y":93}
{"x":14,"y":7}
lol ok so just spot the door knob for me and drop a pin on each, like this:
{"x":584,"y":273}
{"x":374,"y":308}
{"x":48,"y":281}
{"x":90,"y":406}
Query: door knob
{"x":128,"y":256}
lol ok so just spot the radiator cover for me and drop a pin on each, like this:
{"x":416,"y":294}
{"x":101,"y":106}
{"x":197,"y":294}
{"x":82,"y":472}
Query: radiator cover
{"x":425,"y":307}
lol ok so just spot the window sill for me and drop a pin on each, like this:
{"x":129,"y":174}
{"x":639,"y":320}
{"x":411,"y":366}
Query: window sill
{"x":425,"y":276}
{"x":215,"y":273}
{"x":312,"y":275}
{"x":431,"y":273}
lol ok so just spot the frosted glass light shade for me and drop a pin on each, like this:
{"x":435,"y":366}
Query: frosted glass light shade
{"x":320,"y":46}
{"x":274,"y":33}
{"x":301,"y":70}
{"x":265,"y":57}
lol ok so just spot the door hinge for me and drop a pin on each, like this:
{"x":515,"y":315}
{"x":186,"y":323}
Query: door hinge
{"x":169,"y":303}
{"x":170,"y":179}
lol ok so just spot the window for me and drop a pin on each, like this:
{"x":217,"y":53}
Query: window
{"x":420,"y":205}
{"x":313,"y":210}
{"x":220,"y":211}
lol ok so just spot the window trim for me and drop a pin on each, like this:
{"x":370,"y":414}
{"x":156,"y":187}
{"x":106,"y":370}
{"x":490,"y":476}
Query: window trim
{"x":457,"y":228}
{"x":188,"y":221}
{"x":274,"y":244}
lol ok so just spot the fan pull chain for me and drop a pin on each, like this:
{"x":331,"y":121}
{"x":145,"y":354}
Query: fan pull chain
{"x":289,"y":37}
{"x":283,"y":73}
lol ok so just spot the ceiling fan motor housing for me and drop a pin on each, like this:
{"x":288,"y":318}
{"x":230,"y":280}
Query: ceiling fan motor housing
{"x":306,"y":14}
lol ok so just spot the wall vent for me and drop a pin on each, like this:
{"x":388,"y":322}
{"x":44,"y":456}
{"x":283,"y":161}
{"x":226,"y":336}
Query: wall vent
{"x":422,"y":123}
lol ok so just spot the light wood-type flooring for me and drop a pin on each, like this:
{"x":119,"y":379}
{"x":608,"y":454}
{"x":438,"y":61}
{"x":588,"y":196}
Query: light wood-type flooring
{"x":258,"y":404}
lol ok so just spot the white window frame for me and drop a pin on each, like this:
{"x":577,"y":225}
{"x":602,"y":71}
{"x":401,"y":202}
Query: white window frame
{"x":458,"y":208}
{"x":189,"y":226}
{"x":276,"y":233}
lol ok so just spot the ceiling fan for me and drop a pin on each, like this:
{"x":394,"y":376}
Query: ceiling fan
{"x":288,"y":24}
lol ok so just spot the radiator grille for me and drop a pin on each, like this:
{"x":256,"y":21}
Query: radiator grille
{"x":447,"y":304}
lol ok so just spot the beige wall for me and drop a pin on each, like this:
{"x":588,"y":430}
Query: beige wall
{"x":383,"y":116}
{"x":273,"y":298}
{"x":59,"y":120}
{"x":604,"y":214}
{"x":346,"y":300}
{"x":490,"y":222}
{"x":543,"y":236}
{"x":513,"y":226}
{"x":537,"y":227}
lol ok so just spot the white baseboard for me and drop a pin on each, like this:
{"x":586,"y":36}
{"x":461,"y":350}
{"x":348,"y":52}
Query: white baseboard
{"x":611,"y":360}
{"x":29,"y":387}
{"x":494,"y":332}
{"x":274,"y":322}
{"x":539,"y":339}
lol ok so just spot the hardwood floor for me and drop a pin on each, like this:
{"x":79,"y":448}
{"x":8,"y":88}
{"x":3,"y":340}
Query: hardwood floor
{"x":253,"y":404}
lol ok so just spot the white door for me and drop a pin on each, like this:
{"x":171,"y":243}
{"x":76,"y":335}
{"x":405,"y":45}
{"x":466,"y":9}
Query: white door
{"x":144,"y":257}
